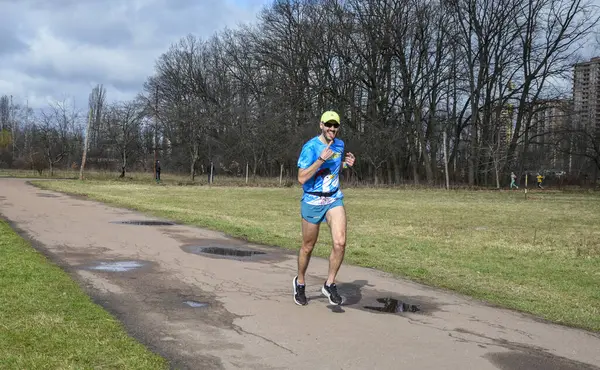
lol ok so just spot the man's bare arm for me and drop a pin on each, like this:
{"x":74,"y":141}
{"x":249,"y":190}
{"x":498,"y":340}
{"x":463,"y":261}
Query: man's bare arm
{"x":305,"y":174}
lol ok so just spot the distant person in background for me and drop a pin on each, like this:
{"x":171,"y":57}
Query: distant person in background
{"x":157,"y":175}
{"x":539,"y":178}
{"x":513,"y":179}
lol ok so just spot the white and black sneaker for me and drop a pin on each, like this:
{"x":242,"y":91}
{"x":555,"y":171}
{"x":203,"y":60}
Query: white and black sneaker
{"x":331,"y":293}
{"x":299,"y":296}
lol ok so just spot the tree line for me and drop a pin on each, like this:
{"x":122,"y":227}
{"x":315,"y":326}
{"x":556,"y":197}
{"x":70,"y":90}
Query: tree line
{"x":429,"y":92}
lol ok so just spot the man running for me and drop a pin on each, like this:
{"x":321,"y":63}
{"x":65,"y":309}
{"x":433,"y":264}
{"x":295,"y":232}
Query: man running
{"x":319,"y":167}
{"x":513,"y":180}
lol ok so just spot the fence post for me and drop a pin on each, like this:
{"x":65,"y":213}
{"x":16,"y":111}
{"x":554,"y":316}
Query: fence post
{"x":526,"y":178}
{"x":446,"y":160}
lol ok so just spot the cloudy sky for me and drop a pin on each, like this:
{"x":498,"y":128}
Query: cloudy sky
{"x":57,"y":49}
{"x":60,"y":49}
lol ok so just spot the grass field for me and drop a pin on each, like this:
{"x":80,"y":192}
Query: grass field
{"x":540,"y":255}
{"x":47,"y":322}
{"x":145,"y":177}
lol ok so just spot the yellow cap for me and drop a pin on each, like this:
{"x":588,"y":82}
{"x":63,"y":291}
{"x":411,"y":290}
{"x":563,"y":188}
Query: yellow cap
{"x":330,"y":116}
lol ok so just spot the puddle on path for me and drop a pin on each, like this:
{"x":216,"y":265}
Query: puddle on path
{"x":117,"y":266}
{"x":196,"y":304}
{"x":219,"y":250}
{"x":47,"y":195}
{"x":144,"y":223}
{"x":391,"y":305}
{"x":535,"y":360}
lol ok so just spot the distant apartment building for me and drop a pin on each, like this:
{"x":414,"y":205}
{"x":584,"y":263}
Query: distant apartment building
{"x":554,"y":123}
{"x":586,"y":104}
{"x":586,"y":94}
{"x":551,"y":118}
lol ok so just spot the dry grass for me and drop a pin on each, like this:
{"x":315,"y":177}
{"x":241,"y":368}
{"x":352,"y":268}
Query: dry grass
{"x":147,"y":177}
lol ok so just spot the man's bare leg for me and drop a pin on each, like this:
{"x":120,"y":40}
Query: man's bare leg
{"x":336,"y":218}
{"x":310,"y":233}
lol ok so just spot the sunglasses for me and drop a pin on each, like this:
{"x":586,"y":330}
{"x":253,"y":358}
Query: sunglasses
{"x":331,"y":124}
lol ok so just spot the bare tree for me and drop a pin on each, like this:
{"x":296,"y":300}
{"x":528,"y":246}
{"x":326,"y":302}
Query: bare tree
{"x":123,"y":121}
{"x":552,"y":32}
{"x":95,"y":106}
{"x":55,"y":132}
{"x":186,"y":96}
{"x":4,"y":112}
{"x":580,"y":139}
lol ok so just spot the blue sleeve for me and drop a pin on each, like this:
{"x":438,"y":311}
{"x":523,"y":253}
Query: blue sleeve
{"x":307,"y":156}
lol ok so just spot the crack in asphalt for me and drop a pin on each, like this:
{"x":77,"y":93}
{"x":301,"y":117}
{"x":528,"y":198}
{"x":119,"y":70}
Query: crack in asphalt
{"x":239,"y":330}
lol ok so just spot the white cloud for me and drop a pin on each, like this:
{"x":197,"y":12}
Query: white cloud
{"x":52,"y":50}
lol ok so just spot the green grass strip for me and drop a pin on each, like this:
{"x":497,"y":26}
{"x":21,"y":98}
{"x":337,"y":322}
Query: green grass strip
{"x":48,"y":322}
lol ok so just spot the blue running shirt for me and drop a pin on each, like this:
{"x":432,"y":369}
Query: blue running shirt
{"x":327,"y":177}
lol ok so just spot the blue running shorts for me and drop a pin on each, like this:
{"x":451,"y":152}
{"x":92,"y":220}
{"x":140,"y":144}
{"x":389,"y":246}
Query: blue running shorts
{"x":315,"y":214}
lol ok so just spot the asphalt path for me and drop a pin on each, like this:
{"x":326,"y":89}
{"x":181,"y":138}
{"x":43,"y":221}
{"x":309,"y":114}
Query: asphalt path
{"x":202,"y":310}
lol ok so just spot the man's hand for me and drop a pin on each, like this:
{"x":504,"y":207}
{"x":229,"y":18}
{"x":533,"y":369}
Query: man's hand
{"x":327,"y":152}
{"x":305,"y":174}
{"x":349,"y":160}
